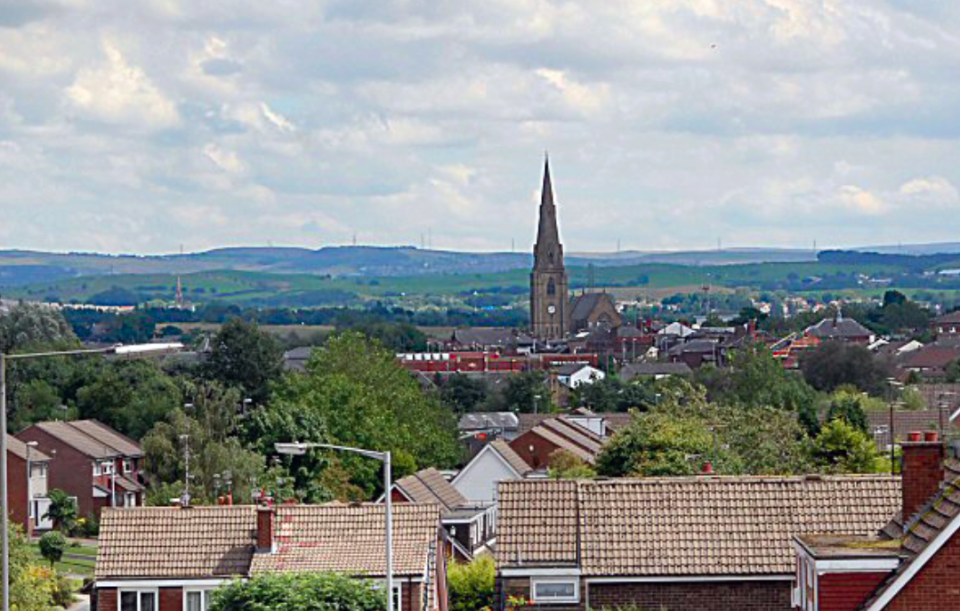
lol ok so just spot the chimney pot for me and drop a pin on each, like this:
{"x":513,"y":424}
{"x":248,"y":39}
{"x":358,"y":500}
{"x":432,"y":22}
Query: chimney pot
{"x":707,"y":468}
{"x":914,"y":436}
{"x":931,"y":436}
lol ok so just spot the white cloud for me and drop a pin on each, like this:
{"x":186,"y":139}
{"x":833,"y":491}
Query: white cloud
{"x":117,"y":92}
{"x":764,"y":121}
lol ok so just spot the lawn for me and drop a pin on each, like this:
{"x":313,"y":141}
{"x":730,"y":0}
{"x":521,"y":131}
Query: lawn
{"x":77,"y":561}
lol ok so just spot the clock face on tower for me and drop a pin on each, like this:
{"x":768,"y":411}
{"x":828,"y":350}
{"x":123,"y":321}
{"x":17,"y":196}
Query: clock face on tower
{"x":551,"y":309}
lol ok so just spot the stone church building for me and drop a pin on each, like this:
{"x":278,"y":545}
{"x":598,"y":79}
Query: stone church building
{"x":553,"y":314}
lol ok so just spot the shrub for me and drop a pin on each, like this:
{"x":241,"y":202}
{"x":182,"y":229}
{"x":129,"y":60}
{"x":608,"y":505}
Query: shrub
{"x":300,"y":592}
{"x":472,"y":586}
{"x":52,"y":545}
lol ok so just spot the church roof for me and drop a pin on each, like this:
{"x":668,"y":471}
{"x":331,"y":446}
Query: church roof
{"x":582,"y":305}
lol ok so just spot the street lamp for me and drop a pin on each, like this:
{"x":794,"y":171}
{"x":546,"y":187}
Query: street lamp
{"x":118,"y":350}
{"x":300,"y":448}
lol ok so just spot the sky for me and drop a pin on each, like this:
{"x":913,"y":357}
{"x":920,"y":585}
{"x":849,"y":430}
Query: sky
{"x":141,"y":127}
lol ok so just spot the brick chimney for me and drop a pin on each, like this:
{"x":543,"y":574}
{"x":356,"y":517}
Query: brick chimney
{"x":923,"y":473}
{"x":266,"y":520}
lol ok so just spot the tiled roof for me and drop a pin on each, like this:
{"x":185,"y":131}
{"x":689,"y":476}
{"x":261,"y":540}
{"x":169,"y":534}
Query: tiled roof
{"x":537,"y":523}
{"x":169,"y":542}
{"x":350,"y":539}
{"x":685,"y":526}
{"x":838,"y":327}
{"x":932,"y":356}
{"x":634,"y":370}
{"x":430,"y":487}
{"x":490,"y":336}
{"x":91,"y":438}
{"x":101,"y":432}
{"x":19,"y":449}
{"x":580,"y":435}
{"x":949,"y":318}
{"x":508,"y":454}
{"x":581,"y":306}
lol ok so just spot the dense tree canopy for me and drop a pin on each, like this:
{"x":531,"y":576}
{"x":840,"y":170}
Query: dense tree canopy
{"x":33,"y":325}
{"x":613,"y":395}
{"x":835,"y":364}
{"x":528,"y":392}
{"x":243,"y":355}
{"x":130,"y":396}
{"x":354,"y":393}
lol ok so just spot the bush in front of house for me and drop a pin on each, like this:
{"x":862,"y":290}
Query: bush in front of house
{"x":472,"y":586}
{"x":299,"y":592}
{"x":52,"y":546}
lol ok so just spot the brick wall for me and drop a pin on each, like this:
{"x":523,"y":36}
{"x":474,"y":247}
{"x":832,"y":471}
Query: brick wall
{"x":935,"y":587}
{"x":922,"y":474}
{"x":846,"y":591}
{"x":540,"y":454}
{"x":17,"y":489}
{"x":717,"y":596}
{"x":106,"y":600}
{"x":68,"y":470}
{"x":171,"y":599}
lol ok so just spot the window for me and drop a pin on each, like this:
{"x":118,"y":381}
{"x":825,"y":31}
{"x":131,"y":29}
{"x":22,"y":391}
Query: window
{"x":551,"y":287}
{"x":127,"y":465}
{"x":96,"y":469}
{"x":131,"y":500}
{"x":107,"y":467}
{"x":138,"y":600}
{"x":196,"y":600}
{"x":397,"y":598}
{"x":548,"y":590}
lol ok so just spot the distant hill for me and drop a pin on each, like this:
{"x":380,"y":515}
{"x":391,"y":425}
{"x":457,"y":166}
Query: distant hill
{"x":20,"y":268}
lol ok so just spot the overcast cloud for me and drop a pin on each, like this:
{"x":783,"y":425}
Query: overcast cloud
{"x":139,"y":126}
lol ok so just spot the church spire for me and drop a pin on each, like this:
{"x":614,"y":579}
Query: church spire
{"x":548,"y":251}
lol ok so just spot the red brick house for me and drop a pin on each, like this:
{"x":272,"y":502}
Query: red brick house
{"x":171,"y":558}
{"x":536,"y":445}
{"x":683,"y":544}
{"x":947,"y":325}
{"x":91,"y":462}
{"x":27,"y":469}
{"x":909,"y":565}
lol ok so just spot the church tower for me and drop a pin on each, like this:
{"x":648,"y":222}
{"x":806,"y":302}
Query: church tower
{"x":548,"y":281}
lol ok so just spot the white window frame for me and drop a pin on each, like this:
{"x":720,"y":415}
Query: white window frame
{"x":563,"y":600}
{"x":127,"y":465}
{"x":130,"y":499}
{"x":139,"y":592}
{"x":397,"y":593}
{"x":97,"y":471}
{"x":204,"y":597}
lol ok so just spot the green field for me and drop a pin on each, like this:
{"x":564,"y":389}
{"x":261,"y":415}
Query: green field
{"x":445,"y":290}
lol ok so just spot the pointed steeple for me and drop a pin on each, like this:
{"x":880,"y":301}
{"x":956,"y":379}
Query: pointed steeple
{"x":548,"y":252}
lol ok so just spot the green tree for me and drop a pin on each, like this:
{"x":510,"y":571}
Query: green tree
{"x":528,"y":392}
{"x":756,"y":378}
{"x":613,"y":395}
{"x":130,"y":396}
{"x":62,"y":510}
{"x":218,"y":463}
{"x":52,"y":546}
{"x":32,"y":587}
{"x":849,"y":407}
{"x":463,"y":393}
{"x":834,"y":364}
{"x":953,"y":372}
{"x":472,"y":586}
{"x":29,"y":325}
{"x":243,"y":355}
{"x":298,"y":592}
{"x":354,"y":393}
{"x":842,"y":448}
{"x":564,"y":465}
{"x":657,"y":443}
